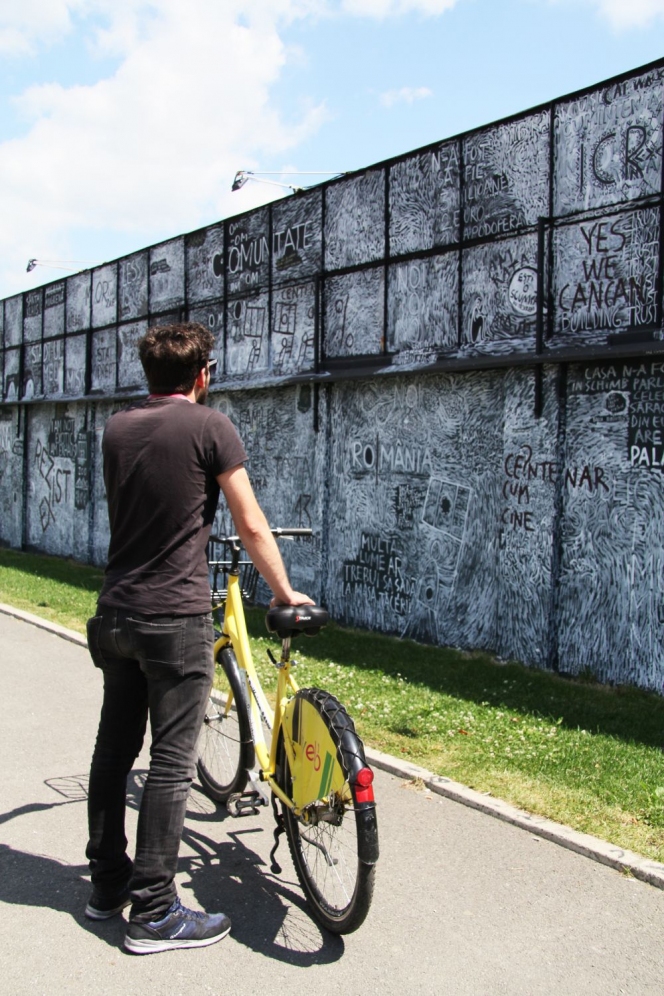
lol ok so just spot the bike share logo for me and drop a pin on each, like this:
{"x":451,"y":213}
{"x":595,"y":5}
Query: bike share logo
{"x":312,"y":753}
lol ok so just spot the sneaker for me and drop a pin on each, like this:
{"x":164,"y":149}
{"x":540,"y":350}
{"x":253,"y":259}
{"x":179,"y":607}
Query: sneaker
{"x":180,"y":928}
{"x":103,"y":907}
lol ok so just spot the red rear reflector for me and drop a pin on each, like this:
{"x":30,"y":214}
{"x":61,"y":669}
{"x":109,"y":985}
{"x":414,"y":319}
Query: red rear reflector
{"x":364,"y":792}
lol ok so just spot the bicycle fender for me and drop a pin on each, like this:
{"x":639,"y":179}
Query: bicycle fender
{"x":368,"y":841}
{"x":333,"y":733}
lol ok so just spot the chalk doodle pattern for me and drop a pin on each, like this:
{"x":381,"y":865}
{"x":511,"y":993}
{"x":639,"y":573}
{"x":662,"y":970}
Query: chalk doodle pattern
{"x":424,"y":200}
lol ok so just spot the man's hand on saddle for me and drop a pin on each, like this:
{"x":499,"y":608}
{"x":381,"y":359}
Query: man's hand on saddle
{"x":296,"y":598}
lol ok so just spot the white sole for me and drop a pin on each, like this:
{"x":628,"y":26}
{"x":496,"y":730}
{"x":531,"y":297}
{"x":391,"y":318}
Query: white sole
{"x":148,"y":946}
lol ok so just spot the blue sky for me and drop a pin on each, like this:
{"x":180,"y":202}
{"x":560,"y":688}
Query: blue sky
{"x":122,"y":122}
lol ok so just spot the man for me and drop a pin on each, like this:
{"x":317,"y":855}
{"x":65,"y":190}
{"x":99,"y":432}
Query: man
{"x":165,"y":460}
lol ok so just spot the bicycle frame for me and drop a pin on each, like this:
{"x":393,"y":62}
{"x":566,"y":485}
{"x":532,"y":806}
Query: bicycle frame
{"x":234,"y":634}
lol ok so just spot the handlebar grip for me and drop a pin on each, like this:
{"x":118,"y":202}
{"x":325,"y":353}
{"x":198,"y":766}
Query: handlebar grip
{"x":278,"y":531}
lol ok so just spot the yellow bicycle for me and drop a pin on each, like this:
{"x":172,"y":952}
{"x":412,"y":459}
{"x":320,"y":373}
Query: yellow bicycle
{"x":314,"y":765}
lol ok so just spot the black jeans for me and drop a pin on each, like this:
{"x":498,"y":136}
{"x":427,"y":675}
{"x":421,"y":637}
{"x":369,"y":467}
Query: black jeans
{"x":161,"y":666}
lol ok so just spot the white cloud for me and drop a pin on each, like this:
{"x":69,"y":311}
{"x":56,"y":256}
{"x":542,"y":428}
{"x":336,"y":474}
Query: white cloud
{"x":631,"y":13}
{"x":624,"y":14}
{"x":151,"y":149}
{"x":406,"y":95}
{"x":25,"y":24}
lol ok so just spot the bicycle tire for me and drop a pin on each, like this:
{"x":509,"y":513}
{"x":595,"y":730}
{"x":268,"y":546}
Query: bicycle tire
{"x":225,"y":745}
{"x":334,"y":844}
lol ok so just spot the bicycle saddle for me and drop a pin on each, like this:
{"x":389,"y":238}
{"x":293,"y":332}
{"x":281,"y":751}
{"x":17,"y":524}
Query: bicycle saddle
{"x":288,"y":621}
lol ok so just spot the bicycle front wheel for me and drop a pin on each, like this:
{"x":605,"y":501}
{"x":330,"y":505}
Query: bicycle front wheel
{"x":334,"y":839}
{"x":225,"y":746}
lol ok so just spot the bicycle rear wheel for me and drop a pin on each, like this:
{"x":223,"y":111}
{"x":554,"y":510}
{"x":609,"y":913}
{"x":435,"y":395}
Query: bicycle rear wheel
{"x":334,"y":841}
{"x":225,"y":746}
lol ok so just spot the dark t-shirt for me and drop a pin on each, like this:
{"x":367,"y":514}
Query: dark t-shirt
{"x":161,"y":460}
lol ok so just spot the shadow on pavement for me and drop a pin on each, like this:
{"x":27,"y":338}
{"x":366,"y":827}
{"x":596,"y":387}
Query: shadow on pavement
{"x":268,"y":912}
{"x":35,"y":880}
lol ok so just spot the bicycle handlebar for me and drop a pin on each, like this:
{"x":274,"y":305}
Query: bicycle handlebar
{"x":277,"y":532}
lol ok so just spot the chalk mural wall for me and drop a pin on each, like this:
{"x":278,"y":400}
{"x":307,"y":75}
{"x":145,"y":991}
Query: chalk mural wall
{"x":449,"y":365}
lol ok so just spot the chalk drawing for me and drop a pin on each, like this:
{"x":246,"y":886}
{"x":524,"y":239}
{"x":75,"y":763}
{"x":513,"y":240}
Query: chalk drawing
{"x":133,"y":286}
{"x":104,"y":295}
{"x":355,"y":220}
{"x":425,"y":200}
{"x":247,"y":335}
{"x":204,"y":257}
{"x":166,"y":276}
{"x":354,"y":309}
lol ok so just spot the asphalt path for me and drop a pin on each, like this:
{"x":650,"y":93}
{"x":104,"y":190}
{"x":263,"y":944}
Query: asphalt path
{"x":464,"y":903}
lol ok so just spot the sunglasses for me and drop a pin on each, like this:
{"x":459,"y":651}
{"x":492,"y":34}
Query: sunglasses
{"x":211,"y":364}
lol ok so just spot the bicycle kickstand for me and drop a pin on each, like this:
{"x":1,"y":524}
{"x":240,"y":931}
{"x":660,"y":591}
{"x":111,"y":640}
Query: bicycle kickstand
{"x":280,"y":828}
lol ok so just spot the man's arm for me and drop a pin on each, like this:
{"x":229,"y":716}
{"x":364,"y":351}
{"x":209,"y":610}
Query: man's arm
{"x":254,"y":531}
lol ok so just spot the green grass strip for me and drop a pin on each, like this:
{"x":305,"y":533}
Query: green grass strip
{"x":587,"y":755}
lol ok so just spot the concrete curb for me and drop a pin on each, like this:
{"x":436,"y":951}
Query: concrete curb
{"x":51,"y":627}
{"x":641,"y":868}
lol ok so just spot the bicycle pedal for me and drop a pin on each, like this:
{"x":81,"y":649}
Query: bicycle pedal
{"x":245,"y":803}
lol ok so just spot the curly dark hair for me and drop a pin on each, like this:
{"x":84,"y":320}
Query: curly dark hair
{"x":173,"y":355}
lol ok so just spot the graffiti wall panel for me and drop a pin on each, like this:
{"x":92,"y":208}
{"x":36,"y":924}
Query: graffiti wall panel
{"x":410,"y":481}
{"x":605,"y":277}
{"x":422,"y":317}
{"x":354,"y":310}
{"x":424,"y":200}
{"x":53,"y":369}
{"x":133,"y":287}
{"x":608,"y":144}
{"x":32,"y":371}
{"x":293,"y":328}
{"x":11,"y":475}
{"x":611,"y":596}
{"x":247,"y":335}
{"x":54,"y":310}
{"x":506,"y":177}
{"x":11,"y":386}
{"x":286,"y":466}
{"x":75,"y":360}
{"x":130,"y":370}
{"x":103,"y":357}
{"x":105,"y":295}
{"x":355,"y":220}
{"x":167,"y":276}
{"x":32,"y":316}
{"x":14,"y":320}
{"x":528,"y":483}
{"x":500,"y":296}
{"x":248,"y":252}
{"x":58,"y":494}
{"x":204,"y":257}
{"x":78,"y":302}
{"x":297,"y":237}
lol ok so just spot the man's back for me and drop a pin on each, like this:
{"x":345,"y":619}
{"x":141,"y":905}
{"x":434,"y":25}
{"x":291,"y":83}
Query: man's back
{"x":161,"y":460}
